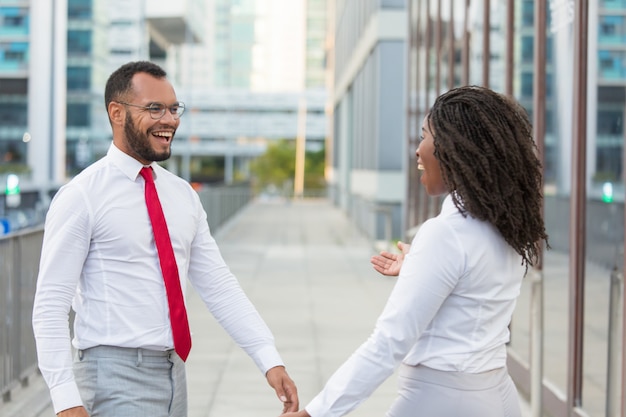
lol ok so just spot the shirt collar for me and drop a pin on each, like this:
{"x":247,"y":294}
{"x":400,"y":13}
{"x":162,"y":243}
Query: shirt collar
{"x":448,"y":206}
{"x":126,"y":163}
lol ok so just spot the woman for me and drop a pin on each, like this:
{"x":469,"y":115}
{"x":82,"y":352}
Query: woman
{"x":446,"y":320}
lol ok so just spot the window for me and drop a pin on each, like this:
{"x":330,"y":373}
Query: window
{"x":78,"y":78}
{"x":14,"y":18}
{"x":608,"y":163}
{"x":610,"y":122}
{"x":78,"y":114}
{"x":612,"y":30}
{"x":79,"y":9}
{"x":612,"y":64}
{"x":612,"y":4}
{"x":527,"y":85}
{"x":14,"y":54}
{"x":78,"y":42}
{"x":17,"y":56}
{"x":528,"y":13}
{"x":14,"y":21}
{"x":10,"y":86}
{"x":527,"y":49}
{"x":13,"y":114}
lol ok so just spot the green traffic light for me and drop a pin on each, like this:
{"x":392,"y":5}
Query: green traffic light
{"x":607,"y":192}
{"x":13,"y":185}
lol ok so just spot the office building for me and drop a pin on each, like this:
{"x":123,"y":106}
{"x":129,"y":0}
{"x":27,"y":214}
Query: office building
{"x":14,"y":59}
{"x":367,"y":176}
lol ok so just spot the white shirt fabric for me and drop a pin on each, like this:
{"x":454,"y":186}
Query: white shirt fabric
{"x":449,"y":310}
{"x":99,"y":256}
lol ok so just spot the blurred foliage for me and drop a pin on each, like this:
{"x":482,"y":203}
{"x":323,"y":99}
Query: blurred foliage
{"x":277,"y":166}
{"x":14,"y":168}
{"x":604,"y":176}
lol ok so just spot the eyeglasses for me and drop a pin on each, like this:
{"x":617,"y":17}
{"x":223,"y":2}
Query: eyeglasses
{"x":157,"y":110}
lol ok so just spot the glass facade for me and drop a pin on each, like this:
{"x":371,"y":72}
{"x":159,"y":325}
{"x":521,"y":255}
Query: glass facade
{"x":579,"y":160}
{"x":79,"y":9}
{"x":80,"y":79}
{"x":234,"y":40}
{"x":14,"y":61}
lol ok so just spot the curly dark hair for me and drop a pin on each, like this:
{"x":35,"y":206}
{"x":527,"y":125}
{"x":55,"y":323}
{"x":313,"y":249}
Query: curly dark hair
{"x":484,"y":144}
{"x":120,"y":81}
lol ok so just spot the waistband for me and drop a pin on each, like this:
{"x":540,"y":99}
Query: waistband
{"x":114,"y":352}
{"x":458,"y":380}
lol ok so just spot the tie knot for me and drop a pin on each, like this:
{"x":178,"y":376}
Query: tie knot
{"x":146,"y":173}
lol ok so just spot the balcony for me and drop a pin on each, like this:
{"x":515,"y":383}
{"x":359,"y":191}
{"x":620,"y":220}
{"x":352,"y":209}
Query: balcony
{"x":175,"y":23}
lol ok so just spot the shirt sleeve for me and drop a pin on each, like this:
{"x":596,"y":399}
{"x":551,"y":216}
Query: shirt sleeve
{"x":65,"y":246}
{"x":226,"y":300}
{"x":429,"y":273}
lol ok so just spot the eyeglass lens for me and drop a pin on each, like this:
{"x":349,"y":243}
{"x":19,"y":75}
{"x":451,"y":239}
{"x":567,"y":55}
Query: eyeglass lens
{"x":157,"y":110}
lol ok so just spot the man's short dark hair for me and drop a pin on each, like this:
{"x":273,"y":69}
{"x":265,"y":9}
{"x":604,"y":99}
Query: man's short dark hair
{"x":120,"y":82}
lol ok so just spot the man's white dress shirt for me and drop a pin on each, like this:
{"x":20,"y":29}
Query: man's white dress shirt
{"x":449,"y":310}
{"x":99,"y":257}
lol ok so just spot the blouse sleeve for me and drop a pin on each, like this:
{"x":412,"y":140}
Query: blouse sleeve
{"x":429,"y":273}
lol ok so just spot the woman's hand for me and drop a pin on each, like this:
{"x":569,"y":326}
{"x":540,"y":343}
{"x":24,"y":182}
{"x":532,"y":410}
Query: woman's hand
{"x":388,"y":263}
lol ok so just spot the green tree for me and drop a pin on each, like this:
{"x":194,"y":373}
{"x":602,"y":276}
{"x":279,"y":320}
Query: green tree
{"x":277,"y":167}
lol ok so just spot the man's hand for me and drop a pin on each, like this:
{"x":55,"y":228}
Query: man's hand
{"x":388,"y":263}
{"x":285,"y":388}
{"x":74,"y":412}
{"x":302,"y":413}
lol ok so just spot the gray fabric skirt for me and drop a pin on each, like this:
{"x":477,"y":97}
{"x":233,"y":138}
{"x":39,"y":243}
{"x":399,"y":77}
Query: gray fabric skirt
{"x":427,"y":392}
{"x":125,"y":382}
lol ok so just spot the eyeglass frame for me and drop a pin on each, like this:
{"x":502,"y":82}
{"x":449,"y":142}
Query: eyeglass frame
{"x":150,"y":109}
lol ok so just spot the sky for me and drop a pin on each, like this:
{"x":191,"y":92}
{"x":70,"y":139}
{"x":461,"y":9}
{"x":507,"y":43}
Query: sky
{"x":278,"y":57}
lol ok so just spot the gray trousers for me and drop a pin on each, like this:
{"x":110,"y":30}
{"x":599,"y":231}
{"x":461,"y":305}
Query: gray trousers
{"x":427,"y":392}
{"x":125,"y":382}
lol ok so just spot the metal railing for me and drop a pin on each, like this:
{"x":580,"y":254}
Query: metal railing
{"x":19,"y":263}
{"x":222,"y":202}
{"x":19,"y":259}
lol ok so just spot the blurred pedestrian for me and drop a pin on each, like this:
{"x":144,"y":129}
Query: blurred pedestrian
{"x":446,"y":321}
{"x":121,"y":240}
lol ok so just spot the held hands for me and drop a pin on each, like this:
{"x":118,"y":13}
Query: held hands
{"x":285,"y":388}
{"x":301,"y":413}
{"x":388,"y":263}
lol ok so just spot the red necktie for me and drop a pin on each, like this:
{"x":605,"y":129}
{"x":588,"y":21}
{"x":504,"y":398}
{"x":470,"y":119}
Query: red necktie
{"x":178,"y":314}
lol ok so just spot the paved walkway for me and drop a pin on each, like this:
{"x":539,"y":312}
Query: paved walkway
{"x":306,"y":268}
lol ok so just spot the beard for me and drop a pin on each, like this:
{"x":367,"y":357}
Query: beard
{"x":139,"y":143}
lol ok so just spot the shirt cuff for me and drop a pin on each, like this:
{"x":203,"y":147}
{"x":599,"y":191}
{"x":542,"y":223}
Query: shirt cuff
{"x":65,"y":396}
{"x":315,"y":407}
{"x":267,"y":358}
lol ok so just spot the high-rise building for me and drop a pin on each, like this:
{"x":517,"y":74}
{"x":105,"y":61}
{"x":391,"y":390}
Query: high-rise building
{"x":610,"y":59}
{"x":205,"y":45}
{"x":367,"y":176}
{"x":14,"y":59}
{"x":54,"y":62}
{"x":315,"y":38}
{"x":234,"y":39}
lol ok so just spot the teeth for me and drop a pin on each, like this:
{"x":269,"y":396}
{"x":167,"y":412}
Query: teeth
{"x":420,"y":167}
{"x":163,"y":134}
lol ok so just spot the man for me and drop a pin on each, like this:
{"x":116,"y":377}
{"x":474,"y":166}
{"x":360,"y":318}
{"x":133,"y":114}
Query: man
{"x":106,"y":253}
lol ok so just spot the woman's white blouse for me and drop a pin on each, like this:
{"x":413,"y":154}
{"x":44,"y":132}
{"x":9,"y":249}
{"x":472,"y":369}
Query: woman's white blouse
{"x":449,"y":310}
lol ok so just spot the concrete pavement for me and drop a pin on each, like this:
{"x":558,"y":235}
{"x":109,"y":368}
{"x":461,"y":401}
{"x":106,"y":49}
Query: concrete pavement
{"x":306,"y":268}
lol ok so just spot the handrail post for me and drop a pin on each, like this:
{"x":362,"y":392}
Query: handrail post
{"x":612,"y":371}
{"x":536,"y":344}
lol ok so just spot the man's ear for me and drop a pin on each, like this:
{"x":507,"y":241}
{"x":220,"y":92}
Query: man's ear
{"x":117,"y":113}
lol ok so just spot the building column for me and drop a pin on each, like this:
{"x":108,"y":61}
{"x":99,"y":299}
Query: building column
{"x":229,"y":168}
{"x":47,"y":91}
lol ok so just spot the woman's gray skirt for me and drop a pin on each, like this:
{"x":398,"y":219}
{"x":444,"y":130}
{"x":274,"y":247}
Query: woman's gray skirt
{"x":427,"y":392}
